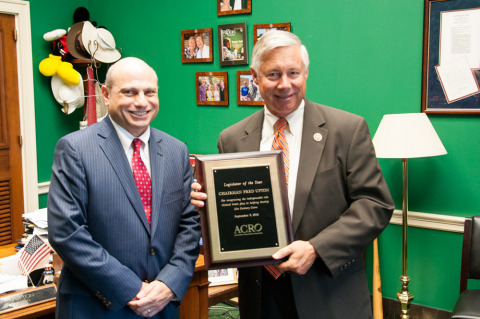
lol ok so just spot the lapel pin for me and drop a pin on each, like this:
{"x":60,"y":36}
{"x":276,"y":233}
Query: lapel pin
{"x":317,"y":137}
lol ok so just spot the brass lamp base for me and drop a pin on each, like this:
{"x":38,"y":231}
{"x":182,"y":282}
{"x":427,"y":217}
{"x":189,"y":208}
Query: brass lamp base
{"x":405,"y":297}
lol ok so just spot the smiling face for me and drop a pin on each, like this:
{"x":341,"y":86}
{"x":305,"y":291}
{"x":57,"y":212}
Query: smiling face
{"x":199,"y":40}
{"x":282,"y":80}
{"x":191,"y":43}
{"x":132,"y":95}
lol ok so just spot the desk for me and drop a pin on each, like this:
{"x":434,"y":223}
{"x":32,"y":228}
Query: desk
{"x":46,"y":309}
{"x":218,"y":294}
{"x":194,"y":304}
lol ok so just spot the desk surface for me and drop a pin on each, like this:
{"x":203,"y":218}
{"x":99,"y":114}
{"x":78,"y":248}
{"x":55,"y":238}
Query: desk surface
{"x":7,"y":250}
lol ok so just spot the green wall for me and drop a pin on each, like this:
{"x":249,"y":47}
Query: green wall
{"x":366,"y":58}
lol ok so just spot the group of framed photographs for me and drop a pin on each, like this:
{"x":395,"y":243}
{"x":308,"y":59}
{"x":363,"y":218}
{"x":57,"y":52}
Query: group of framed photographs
{"x":212,"y":88}
{"x":197,"y":44}
{"x":197,"y":47}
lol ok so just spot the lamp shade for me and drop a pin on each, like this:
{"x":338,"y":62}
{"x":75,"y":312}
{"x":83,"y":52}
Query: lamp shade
{"x":407,"y":135}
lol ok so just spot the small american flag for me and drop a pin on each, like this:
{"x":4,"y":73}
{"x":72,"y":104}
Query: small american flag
{"x":32,"y":254}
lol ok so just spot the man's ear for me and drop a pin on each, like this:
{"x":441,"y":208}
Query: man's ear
{"x":254,"y":76}
{"x":106,"y":95}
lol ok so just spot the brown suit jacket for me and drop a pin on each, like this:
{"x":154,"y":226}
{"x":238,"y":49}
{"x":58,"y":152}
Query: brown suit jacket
{"x":342,"y":203}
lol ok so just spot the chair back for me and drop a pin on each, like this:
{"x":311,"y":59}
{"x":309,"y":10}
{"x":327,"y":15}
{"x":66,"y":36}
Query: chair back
{"x":470,"y":252}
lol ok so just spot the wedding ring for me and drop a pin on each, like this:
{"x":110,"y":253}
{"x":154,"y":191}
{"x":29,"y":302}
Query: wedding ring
{"x":148,"y":310}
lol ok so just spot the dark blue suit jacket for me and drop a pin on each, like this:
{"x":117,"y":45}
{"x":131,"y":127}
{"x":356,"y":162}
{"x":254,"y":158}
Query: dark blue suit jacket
{"x":98,"y":226}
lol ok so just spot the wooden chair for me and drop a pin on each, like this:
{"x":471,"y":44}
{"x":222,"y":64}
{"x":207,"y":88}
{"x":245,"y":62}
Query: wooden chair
{"x":468,"y":303}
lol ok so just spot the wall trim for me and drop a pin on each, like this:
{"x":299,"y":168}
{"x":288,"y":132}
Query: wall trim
{"x":430,"y":221}
{"x":21,"y":11}
{"x":415,"y":219}
{"x":43,"y":188}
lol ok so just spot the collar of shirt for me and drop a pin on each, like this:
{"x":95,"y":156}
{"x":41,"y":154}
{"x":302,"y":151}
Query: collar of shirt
{"x":294,"y":119}
{"x":126,"y":139}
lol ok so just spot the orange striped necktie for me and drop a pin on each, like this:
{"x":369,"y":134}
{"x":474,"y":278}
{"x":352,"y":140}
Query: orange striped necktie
{"x":280,"y":144}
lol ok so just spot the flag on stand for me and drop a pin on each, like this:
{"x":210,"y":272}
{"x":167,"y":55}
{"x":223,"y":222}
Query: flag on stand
{"x":35,"y":251}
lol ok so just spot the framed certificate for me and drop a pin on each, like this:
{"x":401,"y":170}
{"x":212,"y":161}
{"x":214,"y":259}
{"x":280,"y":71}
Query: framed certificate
{"x":451,"y":57}
{"x":246,"y":216}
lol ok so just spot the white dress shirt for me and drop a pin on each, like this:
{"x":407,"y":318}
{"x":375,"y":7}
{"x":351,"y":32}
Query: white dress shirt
{"x":293,"y":134}
{"x":126,"y":138}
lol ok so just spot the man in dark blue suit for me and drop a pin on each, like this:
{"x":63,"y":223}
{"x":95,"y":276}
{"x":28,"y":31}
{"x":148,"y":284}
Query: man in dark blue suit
{"x":119,"y":262}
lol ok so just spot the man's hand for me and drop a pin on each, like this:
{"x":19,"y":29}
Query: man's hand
{"x":198,"y":198}
{"x":301,"y":257}
{"x":151,"y":299}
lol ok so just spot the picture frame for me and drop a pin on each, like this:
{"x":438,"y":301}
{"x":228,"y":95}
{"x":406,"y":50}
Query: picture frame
{"x":260,"y":29}
{"x":207,"y":84}
{"x":250,"y":95}
{"x":222,"y":276}
{"x":197,"y":37}
{"x":227,"y":7}
{"x":232,"y":44}
{"x":450,"y":78}
{"x":192,"y":165}
{"x":247,"y":195}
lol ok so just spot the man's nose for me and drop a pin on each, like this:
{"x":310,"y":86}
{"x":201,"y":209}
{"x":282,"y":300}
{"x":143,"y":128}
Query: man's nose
{"x":140,"y":99}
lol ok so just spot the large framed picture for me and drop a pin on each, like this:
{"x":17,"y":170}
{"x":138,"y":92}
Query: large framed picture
{"x":247,"y":91}
{"x":451,"y":57}
{"x":232,"y":44}
{"x":246,"y":216}
{"x":260,"y":29}
{"x":196,"y":45}
{"x":228,"y":7}
{"x":212,"y":88}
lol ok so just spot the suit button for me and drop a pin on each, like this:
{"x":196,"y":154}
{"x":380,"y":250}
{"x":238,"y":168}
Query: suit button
{"x":152,"y":252}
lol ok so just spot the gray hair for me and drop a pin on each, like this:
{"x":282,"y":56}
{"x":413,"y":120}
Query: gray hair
{"x":273,"y":39}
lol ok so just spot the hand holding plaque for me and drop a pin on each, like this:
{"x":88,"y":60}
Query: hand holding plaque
{"x":246,"y":218}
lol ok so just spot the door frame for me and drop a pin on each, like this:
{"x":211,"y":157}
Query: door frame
{"x":21,"y":10}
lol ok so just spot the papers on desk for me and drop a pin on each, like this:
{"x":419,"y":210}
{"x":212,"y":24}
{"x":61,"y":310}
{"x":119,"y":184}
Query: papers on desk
{"x":11,"y":283}
{"x":10,"y":275}
{"x":38,"y":218}
{"x":35,"y":224}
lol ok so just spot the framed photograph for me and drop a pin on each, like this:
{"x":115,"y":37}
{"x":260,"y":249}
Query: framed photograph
{"x":197,"y":45}
{"x":212,"y":88}
{"x":192,"y":165}
{"x":247,"y":196}
{"x":451,"y":57}
{"x":232,"y":44}
{"x":248,"y":92}
{"x":228,"y":7}
{"x":260,"y":29}
{"x":223,"y":276}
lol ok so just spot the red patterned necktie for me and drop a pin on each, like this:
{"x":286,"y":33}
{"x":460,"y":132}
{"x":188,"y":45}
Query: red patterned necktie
{"x":142,"y":179}
{"x":280,"y":144}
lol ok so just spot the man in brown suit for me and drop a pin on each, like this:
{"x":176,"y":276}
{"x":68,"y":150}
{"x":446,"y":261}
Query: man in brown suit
{"x":338,"y":197}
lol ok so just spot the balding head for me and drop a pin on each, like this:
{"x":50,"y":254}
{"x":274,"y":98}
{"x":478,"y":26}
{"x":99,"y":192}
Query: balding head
{"x":126,"y":64}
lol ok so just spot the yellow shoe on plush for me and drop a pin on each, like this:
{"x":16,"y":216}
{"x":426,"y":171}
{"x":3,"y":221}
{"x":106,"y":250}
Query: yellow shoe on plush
{"x":49,"y":66}
{"x":68,"y":74}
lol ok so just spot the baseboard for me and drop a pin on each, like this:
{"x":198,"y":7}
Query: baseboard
{"x":392,"y":310}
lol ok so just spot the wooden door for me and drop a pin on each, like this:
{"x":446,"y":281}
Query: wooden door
{"x":11,"y":177}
